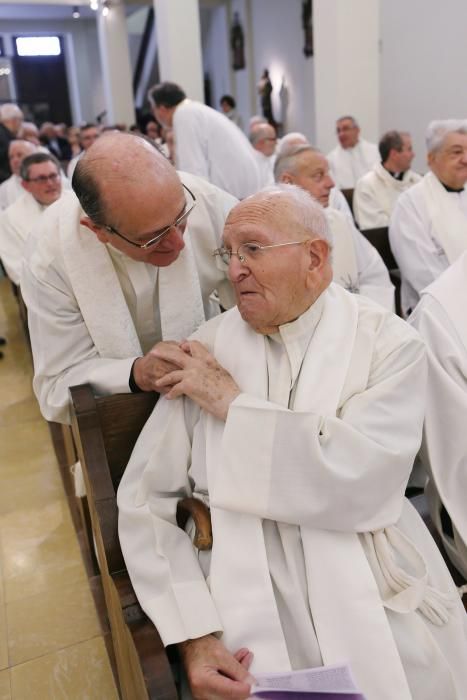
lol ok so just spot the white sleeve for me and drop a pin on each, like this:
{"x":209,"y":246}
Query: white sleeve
{"x":11,"y":249}
{"x":419,"y":259}
{"x":344,"y":473}
{"x":160,"y":557}
{"x":444,"y":445}
{"x":373,"y":276}
{"x":63,"y":351}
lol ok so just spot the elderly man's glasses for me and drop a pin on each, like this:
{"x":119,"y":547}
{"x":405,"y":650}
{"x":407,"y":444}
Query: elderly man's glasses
{"x":42,"y":179}
{"x":157,"y":236}
{"x":249,"y":252}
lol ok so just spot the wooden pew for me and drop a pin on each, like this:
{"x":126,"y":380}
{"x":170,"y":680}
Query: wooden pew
{"x":379,"y":238}
{"x":348,"y":194}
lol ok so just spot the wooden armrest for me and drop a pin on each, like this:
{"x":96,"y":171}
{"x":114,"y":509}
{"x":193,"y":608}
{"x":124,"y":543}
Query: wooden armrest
{"x":196,"y":509}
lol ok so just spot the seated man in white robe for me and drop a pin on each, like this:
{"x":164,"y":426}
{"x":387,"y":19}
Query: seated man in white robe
{"x":376,"y":192}
{"x":353,"y":156}
{"x":12,"y":189}
{"x":42,"y":186}
{"x":263,"y":138}
{"x":428,"y":227}
{"x":207,"y":143}
{"x":441,"y":320}
{"x":288,"y":144}
{"x":356,"y":264}
{"x":88,"y":133}
{"x":119,"y":266}
{"x":297,"y":417}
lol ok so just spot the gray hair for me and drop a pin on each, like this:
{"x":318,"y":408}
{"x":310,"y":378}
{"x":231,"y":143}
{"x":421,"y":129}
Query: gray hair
{"x":348,"y":116}
{"x":10,"y":111}
{"x":259,"y":131}
{"x":288,"y":162}
{"x":438,"y":130}
{"x":289,"y":141}
{"x":308,"y":213}
{"x":35,"y":159}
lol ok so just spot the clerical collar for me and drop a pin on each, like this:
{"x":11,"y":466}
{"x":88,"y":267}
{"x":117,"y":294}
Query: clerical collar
{"x":452,"y":189}
{"x":396,"y":176}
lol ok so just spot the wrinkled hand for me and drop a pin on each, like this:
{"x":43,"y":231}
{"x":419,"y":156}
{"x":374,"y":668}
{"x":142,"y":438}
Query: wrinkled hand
{"x":149,"y":368}
{"x":213,"y":672}
{"x":198,"y":376}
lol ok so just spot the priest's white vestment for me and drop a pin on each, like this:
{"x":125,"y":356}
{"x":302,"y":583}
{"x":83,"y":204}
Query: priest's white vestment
{"x":265,"y":168}
{"x":441,"y":319}
{"x":10,"y":191}
{"x":317,"y":556}
{"x":347,"y":165}
{"x":427,"y":233}
{"x":16,"y":223}
{"x":210,"y":145}
{"x":339,"y":202}
{"x":92,"y":310}
{"x":356,"y":264}
{"x":376,"y":194}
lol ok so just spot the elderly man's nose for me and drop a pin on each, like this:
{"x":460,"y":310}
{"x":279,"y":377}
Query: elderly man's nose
{"x":237,"y":269}
{"x":175,"y":237}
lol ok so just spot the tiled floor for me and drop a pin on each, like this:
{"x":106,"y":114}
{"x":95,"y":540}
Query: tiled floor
{"x":51,"y":642}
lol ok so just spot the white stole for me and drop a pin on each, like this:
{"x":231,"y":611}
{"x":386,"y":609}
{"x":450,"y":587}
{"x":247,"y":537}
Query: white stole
{"x":344,"y":599}
{"x":100,"y":297}
{"x":449,"y":291}
{"x":449,"y":222}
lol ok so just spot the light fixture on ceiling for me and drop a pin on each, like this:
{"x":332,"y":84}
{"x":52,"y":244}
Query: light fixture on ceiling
{"x":94,"y":5}
{"x":105,"y":8}
{"x":75,"y":14}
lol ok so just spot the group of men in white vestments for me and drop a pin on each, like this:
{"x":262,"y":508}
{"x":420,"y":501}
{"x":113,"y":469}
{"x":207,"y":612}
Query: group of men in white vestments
{"x":296,"y":416}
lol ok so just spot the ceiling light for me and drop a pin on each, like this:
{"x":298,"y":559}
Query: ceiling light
{"x":75,"y":14}
{"x":105,"y":8}
{"x":94,"y":5}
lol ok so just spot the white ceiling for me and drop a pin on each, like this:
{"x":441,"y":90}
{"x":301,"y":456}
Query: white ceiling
{"x":54,"y":9}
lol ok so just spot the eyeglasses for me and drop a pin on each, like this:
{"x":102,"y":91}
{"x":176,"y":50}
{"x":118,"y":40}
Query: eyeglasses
{"x":42,"y":179}
{"x":250,"y":252}
{"x":157,"y":236}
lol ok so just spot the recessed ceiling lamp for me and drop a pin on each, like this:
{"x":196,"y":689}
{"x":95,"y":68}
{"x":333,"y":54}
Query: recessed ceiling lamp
{"x":94,"y":5}
{"x":105,"y":8}
{"x":75,"y":14}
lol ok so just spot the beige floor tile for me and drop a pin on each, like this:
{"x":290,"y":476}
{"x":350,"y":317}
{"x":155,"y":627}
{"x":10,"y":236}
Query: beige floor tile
{"x":50,"y":621}
{"x":22,"y":409}
{"x":5,"y":690}
{"x":39,"y":551}
{"x":80,"y":672}
{"x":24,"y":449}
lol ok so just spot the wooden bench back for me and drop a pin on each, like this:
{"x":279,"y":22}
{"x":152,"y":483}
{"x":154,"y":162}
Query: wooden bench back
{"x":105,"y":430}
{"x":348,"y":194}
{"x":379,"y":238}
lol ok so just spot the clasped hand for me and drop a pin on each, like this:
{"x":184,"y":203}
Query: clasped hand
{"x":198,"y":375}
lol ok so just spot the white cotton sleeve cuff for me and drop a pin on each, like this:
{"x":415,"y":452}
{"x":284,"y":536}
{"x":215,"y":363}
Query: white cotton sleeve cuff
{"x":186,"y":611}
{"x":112,"y":377}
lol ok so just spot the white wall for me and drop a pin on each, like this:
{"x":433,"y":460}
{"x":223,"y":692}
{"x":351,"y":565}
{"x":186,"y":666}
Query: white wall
{"x":86,"y":57}
{"x":216,"y":55}
{"x":423,"y":66}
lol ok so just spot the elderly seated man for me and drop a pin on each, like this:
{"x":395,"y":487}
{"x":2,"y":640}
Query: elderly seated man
{"x":263,"y":138}
{"x":441,"y":320}
{"x":297,"y":416}
{"x":353,"y":156}
{"x":356,"y":264}
{"x":12,"y":189}
{"x":428,"y":227}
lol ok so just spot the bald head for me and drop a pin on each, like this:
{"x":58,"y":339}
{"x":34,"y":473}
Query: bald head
{"x":308,"y":168}
{"x":18,"y":150}
{"x":263,"y":138}
{"x":117,"y":172}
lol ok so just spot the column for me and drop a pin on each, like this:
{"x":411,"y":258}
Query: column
{"x":346,"y":63}
{"x":116,"y":68}
{"x":179,"y":45}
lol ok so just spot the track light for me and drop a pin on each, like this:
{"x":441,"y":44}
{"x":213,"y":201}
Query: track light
{"x":105,"y":8}
{"x":94,"y":5}
{"x":76,"y":14}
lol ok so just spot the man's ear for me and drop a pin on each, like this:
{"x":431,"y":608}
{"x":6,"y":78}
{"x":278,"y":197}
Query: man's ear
{"x":319,"y":253}
{"x":286,"y":178}
{"x":98,"y":230}
{"x":25,"y":185}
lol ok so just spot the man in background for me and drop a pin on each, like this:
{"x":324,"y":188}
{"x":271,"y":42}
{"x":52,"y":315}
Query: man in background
{"x":11,"y":118}
{"x":12,"y":189}
{"x":376,"y":192}
{"x":207,"y":144}
{"x":353,"y":156}
{"x":263,"y":138}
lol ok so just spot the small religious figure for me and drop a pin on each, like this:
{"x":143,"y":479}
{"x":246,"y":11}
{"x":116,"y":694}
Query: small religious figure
{"x":265,"y":90}
{"x":307,"y":23}
{"x":237,"y":44}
